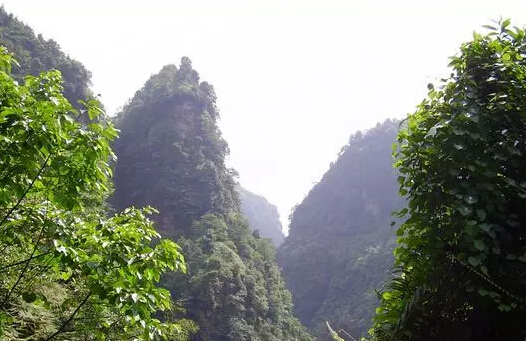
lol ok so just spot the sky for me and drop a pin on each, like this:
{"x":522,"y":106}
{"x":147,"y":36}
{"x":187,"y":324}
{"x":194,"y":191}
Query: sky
{"x":294,"y":79}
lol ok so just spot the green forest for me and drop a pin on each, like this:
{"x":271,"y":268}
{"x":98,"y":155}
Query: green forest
{"x":133,"y":226}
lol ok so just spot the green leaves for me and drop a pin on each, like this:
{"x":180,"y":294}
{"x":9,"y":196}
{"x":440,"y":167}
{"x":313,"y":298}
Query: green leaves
{"x":465,"y":210}
{"x":479,"y":245}
{"x":121,"y":267}
{"x":481,"y":214}
{"x":471,"y":199}
{"x":463,"y":185}
{"x":475,"y":261}
{"x":54,"y":228}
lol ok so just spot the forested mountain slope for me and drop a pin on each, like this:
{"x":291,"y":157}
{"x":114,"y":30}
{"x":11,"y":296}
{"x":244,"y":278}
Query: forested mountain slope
{"x":171,"y":156}
{"x":36,"y":54}
{"x":339,"y":248}
{"x":262,"y":215}
{"x":54,"y":180}
{"x":171,"y":153}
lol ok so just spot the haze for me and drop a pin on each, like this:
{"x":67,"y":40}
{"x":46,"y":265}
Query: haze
{"x":294,"y":79}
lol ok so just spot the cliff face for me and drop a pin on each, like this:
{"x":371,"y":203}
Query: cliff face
{"x":171,"y":153}
{"x":171,"y":156}
{"x":262,"y":215}
{"x":339,"y":247}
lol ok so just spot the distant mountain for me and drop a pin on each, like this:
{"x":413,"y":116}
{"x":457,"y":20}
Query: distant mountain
{"x":171,"y":155}
{"x":261,"y":215}
{"x":339,"y":247}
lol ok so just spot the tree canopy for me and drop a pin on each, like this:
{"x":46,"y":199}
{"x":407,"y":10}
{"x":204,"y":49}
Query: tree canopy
{"x":461,"y":252}
{"x":69,"y":271}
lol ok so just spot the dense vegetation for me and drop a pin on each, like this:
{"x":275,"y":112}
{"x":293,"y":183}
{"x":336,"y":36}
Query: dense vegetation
{"x":171,"y":155}
{"x":339,"y":248}
{"x":462,"y":246}
{"x":261,"y":215}
{"x":35,"y":55}
{"x":80,"y":264}
{"x":69,"y":270}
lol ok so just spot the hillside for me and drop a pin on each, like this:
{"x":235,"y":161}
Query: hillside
{"x":36,"y":54}
{"x":262,"y":215}
{"x":339,"y":248}
{"x":133,"y":227}
{"x":55,"y":178}
{"x":171,"y":156}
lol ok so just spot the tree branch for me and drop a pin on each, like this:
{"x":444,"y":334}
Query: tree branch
{"x":25,"y":268}
{"x":60,"y":330}
{"x":44,"y":165}
{"x":27,"y":189}
{"x":23,"y":261}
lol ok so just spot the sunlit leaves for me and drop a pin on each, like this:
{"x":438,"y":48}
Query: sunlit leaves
{"x":461,"y":158}
{"x":54,"y":232}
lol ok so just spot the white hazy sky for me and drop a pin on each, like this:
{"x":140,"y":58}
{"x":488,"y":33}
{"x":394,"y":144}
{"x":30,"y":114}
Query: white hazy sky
{"x":294,"y":79}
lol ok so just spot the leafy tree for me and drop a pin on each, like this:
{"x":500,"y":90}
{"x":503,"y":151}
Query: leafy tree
{"x":339,"y":248}
{"x":171,"y":155}
{"x":69,"y":271}
{"x":462,"y":247}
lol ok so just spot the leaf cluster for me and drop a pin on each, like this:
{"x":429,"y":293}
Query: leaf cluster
{"x":462,"y":248}
{"x":70,"y":272}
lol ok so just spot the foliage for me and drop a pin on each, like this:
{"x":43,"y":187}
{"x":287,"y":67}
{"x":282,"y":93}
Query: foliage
{"x":235,"y":288}
{"x":68,"y":271}
{"x":339,"y":247}
{"x":36,"y":54}
{"x":171,"y":155}
{"x":263,"y":217}
{"x":462,"y":247}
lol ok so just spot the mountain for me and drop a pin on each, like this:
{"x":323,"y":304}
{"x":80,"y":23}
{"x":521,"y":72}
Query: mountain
{"x":171,"y":155}
{"x":262,"y":215}
{"x":36,"y":54}
{"x":339,"y":247}
{"x":62,"y":166}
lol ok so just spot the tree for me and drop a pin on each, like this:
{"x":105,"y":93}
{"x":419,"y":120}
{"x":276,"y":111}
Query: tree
{"x":68,"y":270}
{"x":461,"y":251}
